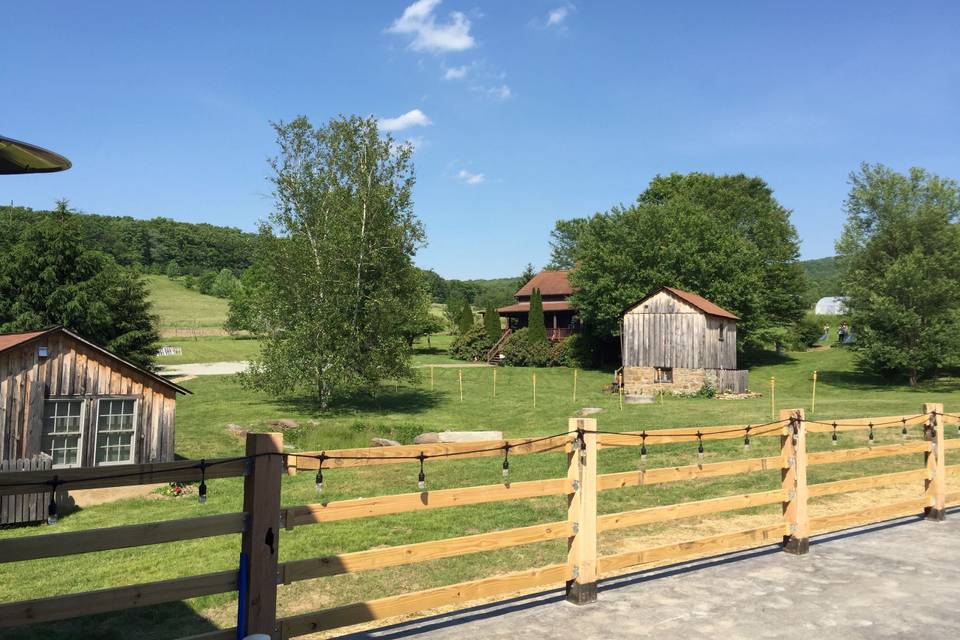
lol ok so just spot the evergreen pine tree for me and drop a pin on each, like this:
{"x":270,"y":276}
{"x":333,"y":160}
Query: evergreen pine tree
{"x":465,"y":321}
{"x":491,"y":322}
{"x":538,"y":328}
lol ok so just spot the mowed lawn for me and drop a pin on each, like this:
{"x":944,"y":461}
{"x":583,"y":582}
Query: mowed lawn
{"x":404,"y":410}
{"x":182,"y":308}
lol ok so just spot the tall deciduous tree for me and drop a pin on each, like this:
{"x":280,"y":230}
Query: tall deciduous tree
{"x":491,"y":322}
{"x":538,"y":327}
{"x":723,"y":237}
{"x":900,"y":251}
{"x":335,"y":261}
{"x":563,"y":242}
{"x":49,"y":276}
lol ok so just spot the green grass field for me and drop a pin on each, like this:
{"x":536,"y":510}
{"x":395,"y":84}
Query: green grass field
{"x":182,"y":308}
{"x":405,"y":410}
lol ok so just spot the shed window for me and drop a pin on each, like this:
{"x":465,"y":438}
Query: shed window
{"x":116,"y":427}
{"x":62,"y":431}
{"x":663,"y":375}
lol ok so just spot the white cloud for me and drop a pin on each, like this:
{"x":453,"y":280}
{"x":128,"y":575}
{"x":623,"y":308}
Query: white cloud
{"x":455,"y":73}
{"x":472,"y":179}
{"x":419,"y":21}
{"x":502,"y":92}
{"x":556,"y":17}
{"x":413,"y":118}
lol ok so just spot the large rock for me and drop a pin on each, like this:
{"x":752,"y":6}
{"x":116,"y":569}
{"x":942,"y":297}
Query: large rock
{"x":383,"y":442}
{"x":458,"y":436}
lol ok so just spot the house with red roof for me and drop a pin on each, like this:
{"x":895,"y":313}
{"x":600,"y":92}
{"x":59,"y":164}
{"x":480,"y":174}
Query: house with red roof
{"x":558,"y":314}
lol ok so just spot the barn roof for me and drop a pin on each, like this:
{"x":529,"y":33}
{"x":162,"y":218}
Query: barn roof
{"x":11,"y":340}
{"x":550,"y":283}
{"x":693,"y":299}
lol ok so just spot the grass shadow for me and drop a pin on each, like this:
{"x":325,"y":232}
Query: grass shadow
{"x":763,"y":358}
{"x":171,"y":620}
{"x":865,"y":381}
{"x":404,"y":400}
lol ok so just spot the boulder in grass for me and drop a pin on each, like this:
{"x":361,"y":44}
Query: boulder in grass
{"x":383,"y":442}
{"x":283,"y":424}
{"x":470,"y":436}
{"x":427,"y":438}
{"x":588,"y":411}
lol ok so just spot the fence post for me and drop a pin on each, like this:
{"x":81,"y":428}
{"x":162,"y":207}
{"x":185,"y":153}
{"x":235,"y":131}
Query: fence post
{"x":261,"y":537}
{"x":582,"y":512}
{"x":793,"y":447}
{"x":936,"y":483}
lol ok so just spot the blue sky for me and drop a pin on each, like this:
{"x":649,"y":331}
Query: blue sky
{"x":522,"y":112}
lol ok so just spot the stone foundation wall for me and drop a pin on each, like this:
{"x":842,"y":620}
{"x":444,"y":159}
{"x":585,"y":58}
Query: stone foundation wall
{"x":640,"y":381}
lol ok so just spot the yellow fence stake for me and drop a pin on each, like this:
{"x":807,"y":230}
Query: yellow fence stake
{"x":813,"y":400}
{"x":574,"y":385}
{"x":460,"y":376}
{"x":773,"y":398}
{"x":534,"y":389}
{"x":494,"y":382}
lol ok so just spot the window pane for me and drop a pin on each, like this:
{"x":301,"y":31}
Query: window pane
{"x":115,"y":430}
{"x":61,"y":430}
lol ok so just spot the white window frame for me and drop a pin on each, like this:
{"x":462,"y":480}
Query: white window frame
{"x":95,"y":427}
{"x":83,"y":428}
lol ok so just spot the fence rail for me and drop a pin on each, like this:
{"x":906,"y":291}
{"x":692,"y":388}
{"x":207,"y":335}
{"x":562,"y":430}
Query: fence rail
{"x":263,"y":517}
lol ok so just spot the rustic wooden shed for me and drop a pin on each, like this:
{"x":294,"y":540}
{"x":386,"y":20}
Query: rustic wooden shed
{"x":75,"y":401}
{"x":673,"y":340}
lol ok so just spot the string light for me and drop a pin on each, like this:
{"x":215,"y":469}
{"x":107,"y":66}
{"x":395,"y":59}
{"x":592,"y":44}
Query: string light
{"x":422,"y":478}
{"x":643,"y":447}
{"x":202,"y":491}
{"x":699,"y":445}
{"x":870,"y":435}
{"x":52,"y":515}
{"x":746,"y":439}
{"x":506,"y":461}
{"x":322,"y":458}
{"x":834,"y":437}
{"x":903,"y":431}
{"x":583,"y":447}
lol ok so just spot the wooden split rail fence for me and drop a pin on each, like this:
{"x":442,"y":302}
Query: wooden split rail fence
{"x":263,"y":518}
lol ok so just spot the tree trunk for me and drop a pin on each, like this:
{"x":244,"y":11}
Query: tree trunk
{"x":913,"y":378}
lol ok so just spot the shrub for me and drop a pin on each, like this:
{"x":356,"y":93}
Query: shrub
{"x":471,"y":345}
{"x":706,"y":391}
{"x":521,"y":351}
{"x":805,"y":334}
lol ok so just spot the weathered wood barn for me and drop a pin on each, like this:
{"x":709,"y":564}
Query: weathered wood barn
{"x":677,"y":341}
{"x":64,"y":396}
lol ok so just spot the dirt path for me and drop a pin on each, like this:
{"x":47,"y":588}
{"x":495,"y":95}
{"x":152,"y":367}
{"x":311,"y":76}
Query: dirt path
{"x":203,"y":369}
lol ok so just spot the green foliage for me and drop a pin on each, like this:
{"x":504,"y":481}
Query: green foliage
{"x":563,"y":242}
{"x":420,"y":321}
{"x":805,"y":333}
{"x":472,"y":345}
{"x":528,"y":273}
{"x":152,"y":243}
{"x":173,"y":269}
{"x":465,"y":318}
{"x":224,"y":284}
{"x":521,"y":350}
{"x":49,"y":276}
{"x":706,"y":390}
{"x":901,"y":251}
{"x":491,"y":322}
{"x":334,"y":265}
{"x":576,"y":352}
{"x":453,"y":311}
{"x":823,"y":278}
{"x":538,"y":327}
{"x":723,"y":237}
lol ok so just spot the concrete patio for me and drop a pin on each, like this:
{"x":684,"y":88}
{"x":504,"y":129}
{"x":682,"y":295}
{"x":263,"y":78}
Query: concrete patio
{"x":893,"y":580}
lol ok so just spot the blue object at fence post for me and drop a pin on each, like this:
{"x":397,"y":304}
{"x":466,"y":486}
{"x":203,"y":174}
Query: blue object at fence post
{"x":243,"y":574}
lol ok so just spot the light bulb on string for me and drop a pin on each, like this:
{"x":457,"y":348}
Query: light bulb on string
{"x":746,"y":439}
{"x":870,"y":435}
{"x":699,"y":445}
{"x":833,"y":438}
{"x":903,"y":431}
{"x":202,"y":489}
{"x":506,"y":461}
{"x":643,"y":447}
{"x":422,"y":478}
{"x":52,"y":513}
{"x":323,"y":457}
